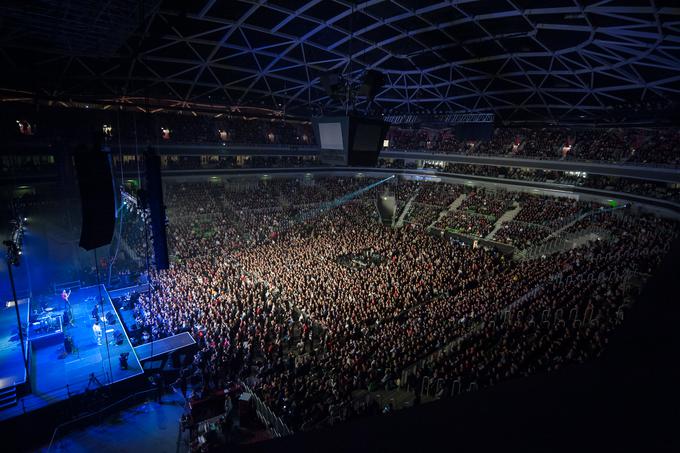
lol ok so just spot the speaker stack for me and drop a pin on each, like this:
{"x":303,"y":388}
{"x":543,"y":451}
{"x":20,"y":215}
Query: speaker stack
{"x":156,"y":209}
{"x":96,"y":196}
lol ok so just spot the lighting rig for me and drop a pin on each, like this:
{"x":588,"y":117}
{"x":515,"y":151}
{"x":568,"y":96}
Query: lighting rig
{"x":15,"y":242}
{"x":139,"y":205}
{"x":14,"y":251}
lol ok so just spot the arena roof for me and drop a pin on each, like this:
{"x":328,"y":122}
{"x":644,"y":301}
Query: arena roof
{"x":521,"y":59}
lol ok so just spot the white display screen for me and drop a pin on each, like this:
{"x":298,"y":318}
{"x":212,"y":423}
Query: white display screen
{"x":330,"y":136}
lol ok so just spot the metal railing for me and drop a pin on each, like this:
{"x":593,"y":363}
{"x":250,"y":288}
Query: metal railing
{"x":433,"y":388}
{"x":275,"y":425}
{"x":561,"y":243}
{"x":554,"y":158}
{"x":104,"y":411}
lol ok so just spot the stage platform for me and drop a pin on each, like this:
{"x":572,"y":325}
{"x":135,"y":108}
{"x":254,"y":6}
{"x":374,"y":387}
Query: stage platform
{"x":12,"y":369}
{"x":164,"y":345}
{"x":56,"y":375}
{"x":53,"y":368}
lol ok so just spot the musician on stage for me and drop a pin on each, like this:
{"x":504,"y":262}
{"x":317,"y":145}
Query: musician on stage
{"x":96,"y":328}
{"x":67,"y":307}
{"x":65,"y":295}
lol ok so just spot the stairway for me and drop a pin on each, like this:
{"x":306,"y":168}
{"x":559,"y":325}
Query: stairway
{"x":8,"y":397}
{"x":452,"y":207}
{"x":506,"y":217}
{"x":407,"y":208}
{"x":457,"y":202}
{"x":573,"y":220}
{"x":562,"y":243}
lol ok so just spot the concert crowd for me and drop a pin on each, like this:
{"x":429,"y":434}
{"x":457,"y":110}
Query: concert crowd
{"x":314,"y":305}
{"x":634,"y":145}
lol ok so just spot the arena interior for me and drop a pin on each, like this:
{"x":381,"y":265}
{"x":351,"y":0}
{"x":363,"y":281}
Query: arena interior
{"x":336,"y":225}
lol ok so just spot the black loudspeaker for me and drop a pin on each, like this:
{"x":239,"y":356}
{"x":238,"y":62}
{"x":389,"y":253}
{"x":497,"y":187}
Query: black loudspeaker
{"x":123,"y":359}
{"x":331,"y":83}
{"x":96,"y":197}
{"x":68,"y":344}
{"x":372,"y":83}
{"x":156,"y":210}
{"x":118,"y":337}
{"x":350,"y":140}
{"x":366,"y":138}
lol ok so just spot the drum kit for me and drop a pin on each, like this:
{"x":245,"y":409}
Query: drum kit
{"x":46,"y":321}
{"x":45,"y":318}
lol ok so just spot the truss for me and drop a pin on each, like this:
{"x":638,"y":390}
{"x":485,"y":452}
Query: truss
{"x":518,"y":59}
{"x":454,"y":118}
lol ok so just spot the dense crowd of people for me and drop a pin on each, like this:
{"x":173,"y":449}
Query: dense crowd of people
{"x":423,"y":214}
{"x":520,"y":234}
{"x":327,"y":304}
{"x":466,"y":222}
{"x":557,"y":324}
{"x":485,"y":202}
{"x":551,"y":210}
{"x":639,"y":145}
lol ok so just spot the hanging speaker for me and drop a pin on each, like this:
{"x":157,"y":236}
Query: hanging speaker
{"x":96,"y":197}
{"x":372,"y":83}
{"x":156,"y":209}
{"x":332,"y":84}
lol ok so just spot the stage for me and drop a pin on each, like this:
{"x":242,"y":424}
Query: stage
{"x":12,"y":369}
{"x":89,"y":364}
{"x":56,"y":374}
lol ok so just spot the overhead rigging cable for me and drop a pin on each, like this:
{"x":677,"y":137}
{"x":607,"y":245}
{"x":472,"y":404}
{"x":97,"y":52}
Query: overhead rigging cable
{"x":122,"y":211}
{"x":349,"y":56}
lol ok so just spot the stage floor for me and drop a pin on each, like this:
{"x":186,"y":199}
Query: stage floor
{"x":53,"y":370}
{"x":12,"y":370}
